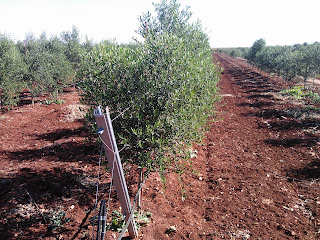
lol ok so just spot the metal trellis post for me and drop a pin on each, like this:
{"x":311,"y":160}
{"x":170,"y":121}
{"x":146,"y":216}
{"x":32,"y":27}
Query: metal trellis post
{"x":107,"y":136}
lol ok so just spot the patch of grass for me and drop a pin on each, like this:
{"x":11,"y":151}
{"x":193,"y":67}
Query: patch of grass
{"x":298,"y":93}
{"x":118,"y":221}
{"x":56,"y":220}
{"x":52,"y":101}
{"x":316,"y":98}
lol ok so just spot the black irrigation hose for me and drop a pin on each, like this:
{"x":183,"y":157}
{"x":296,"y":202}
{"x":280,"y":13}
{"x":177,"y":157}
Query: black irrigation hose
{"x":101,"y":231}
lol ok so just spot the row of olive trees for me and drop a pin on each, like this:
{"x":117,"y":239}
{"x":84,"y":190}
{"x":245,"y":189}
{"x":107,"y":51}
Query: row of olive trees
{"x":164,"y":88}
{"x":12,"y":71}
{"x":38,"y":64}
{"x":241,"y":52}
{"x":287,"y":62}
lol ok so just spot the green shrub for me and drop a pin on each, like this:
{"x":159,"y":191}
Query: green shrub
{"x":168,"y":85}
{"x":299,"y":93}
{"x":257,"y":46}
{"x":296,"y":92}
{"x":12,"y":70}
{"x":56,"y":220}
{"x":48,"y":67}
{"x":287,"y":62}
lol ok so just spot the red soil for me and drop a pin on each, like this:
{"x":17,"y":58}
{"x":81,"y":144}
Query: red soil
{"x":257,"y":170}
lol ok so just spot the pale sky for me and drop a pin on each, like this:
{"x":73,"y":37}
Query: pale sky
{"x":229,"y":23}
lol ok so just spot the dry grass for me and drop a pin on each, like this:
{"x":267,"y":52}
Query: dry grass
{"x":74,"y":112}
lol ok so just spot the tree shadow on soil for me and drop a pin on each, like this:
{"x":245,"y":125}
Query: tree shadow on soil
{"x":292,"y":142}
{"x":295,"y":113}
{"x":264,"y":90}
{"x":284,"y":120}
{"x":309,"y":172}
{"x":66,"y":150}
{"x":254,"y":96}
{"x":63,"y":134}
{"x":256,"y":104}
{"x":46,"y":188}
{"x":286,"y":125}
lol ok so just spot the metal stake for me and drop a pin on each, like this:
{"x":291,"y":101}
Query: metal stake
{"x":107,"y":136}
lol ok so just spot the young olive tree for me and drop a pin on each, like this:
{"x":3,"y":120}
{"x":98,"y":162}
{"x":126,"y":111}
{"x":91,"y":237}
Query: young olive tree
{"x":12,"y":70}
{"x":164,"y":88}
{"x":307,"y":63}
{"x":73,"y":47}
{"x":48,"y":67}
{"x":255,"y":49}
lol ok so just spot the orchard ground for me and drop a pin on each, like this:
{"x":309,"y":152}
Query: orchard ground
{"x":255,"y":176}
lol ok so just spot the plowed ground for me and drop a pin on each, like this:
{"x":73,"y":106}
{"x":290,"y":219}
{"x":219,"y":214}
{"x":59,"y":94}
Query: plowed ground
{"x":256,"y":175}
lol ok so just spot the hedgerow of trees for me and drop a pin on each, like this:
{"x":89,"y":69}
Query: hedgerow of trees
{"x":287,"y":62}
{"x":164,"y":88}
{"x":12,"y":71}
{"x":241,"y":52}
{"x":39,"y":64}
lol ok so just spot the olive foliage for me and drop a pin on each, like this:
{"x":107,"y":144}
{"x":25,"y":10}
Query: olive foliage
{"x":287,"y":62}
{"x":40,"y":64}
{"x":163,"y":88}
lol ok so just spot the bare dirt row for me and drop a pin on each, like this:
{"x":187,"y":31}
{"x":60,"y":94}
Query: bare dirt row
{"x":263,"y":158}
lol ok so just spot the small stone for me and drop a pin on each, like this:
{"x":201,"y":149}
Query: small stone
{"x":171,"y":229}
{"x":267,"y":201}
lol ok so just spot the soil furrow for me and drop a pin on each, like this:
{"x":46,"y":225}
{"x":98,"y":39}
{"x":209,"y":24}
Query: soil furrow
{"x":246,"y":197}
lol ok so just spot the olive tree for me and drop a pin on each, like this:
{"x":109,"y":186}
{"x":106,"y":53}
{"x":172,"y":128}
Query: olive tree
{"x":12,"y":70}
{"x":163,"y":89}
{"x":257,"y":46}
{"x":48,"y":67}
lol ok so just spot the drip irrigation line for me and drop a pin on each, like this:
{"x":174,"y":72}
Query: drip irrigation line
{"x":101,"y":229}
{"x":97,"y":191}
{"x":109,"y":197}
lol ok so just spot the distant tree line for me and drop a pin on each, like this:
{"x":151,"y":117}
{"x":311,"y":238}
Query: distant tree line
{"x":40,"y":64}
{"x":234,"y":52}
{"x":287,"y":62}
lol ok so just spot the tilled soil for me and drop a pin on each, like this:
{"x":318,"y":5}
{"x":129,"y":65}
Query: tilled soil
{"x":262,"y":161}
{"x":255,"y":176}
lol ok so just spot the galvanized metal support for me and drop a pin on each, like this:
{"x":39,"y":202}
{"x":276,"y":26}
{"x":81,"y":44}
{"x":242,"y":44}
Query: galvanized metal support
{"x":110,"y":146}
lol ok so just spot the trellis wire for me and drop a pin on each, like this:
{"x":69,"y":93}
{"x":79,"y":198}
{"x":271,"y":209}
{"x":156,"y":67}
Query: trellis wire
{"x":97,"y":192}
{"x":109,"y":197}
{"x":111,"y":182}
